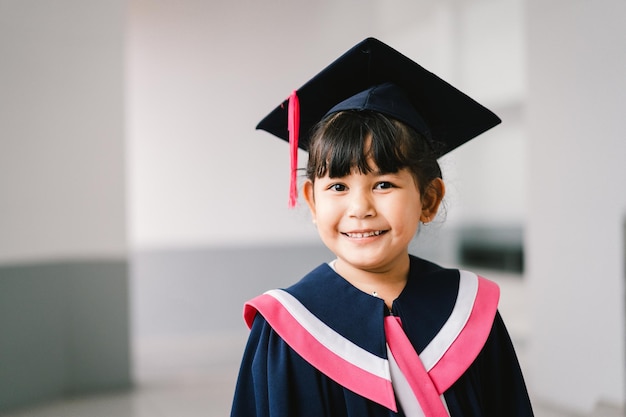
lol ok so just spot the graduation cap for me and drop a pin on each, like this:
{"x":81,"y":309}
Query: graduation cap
{"x":374,"y":76}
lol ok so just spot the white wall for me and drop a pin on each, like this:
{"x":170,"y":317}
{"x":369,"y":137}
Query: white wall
{"x":64,"y":321}
{"x":577,"y":200}
{"x":61,"y":130}
{"x":202,"y":74}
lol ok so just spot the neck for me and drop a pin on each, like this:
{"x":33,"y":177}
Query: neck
{"x":385,"y":283}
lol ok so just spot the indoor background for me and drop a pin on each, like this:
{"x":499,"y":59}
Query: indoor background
{"x":139,"y":208}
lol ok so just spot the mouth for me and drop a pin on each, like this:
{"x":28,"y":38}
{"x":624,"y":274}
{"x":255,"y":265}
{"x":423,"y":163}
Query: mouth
{"x":362,"y":235}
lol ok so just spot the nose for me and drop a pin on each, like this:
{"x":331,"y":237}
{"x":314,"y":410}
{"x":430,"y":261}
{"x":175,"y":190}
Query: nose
{"x":361,"y":205}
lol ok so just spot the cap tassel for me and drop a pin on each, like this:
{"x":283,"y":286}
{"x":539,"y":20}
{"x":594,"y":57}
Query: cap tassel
{"x":293,"y":124}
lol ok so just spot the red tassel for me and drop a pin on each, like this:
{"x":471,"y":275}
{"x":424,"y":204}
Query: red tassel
{"x":293,"y":124}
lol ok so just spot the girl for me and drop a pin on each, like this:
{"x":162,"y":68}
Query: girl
{"x":378,"y":332}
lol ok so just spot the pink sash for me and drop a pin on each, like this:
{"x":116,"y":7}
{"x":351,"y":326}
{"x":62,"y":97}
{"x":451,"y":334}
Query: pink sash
{"x":417,"y":382}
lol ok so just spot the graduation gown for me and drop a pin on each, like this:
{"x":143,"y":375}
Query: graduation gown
{"x":322,"y":348}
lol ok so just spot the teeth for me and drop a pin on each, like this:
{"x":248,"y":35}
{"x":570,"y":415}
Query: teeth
{"x":362,"y":235}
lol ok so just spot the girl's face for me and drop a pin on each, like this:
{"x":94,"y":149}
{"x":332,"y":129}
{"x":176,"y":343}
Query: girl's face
{"x":367,"y":220}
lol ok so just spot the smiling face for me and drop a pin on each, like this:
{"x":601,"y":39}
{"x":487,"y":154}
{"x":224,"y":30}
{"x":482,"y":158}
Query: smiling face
{"x":367,"y":219}
{"x":371,"y":179}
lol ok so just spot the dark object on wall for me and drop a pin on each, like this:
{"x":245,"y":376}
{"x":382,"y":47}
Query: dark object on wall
{"x":497,"y":248}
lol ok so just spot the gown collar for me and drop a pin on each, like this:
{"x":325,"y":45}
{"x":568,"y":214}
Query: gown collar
{"x":427,"y":299}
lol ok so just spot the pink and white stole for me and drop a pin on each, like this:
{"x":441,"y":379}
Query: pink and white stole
{"x":417,"y":381}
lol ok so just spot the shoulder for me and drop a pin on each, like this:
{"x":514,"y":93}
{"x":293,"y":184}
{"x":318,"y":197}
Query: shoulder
{"x":323,"y":300}
{"x":429,"y":273}
{"x":308,"y":293}
{"x":438,"y":295}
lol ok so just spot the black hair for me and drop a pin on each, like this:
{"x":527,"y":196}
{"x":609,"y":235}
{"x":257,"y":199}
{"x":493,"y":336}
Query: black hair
{"x":349,"y":140}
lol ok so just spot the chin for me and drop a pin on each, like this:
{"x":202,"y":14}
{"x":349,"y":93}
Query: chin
{"x":367,"y":263}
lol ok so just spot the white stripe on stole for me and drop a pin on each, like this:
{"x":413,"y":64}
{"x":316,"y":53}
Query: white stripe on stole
{"x":389,"y":369}
{"x":468,"y":288}
{"x":330,"y":339}
{"x":407,"y":399}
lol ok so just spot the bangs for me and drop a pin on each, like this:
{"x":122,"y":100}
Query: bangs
{"x":360,"y":141}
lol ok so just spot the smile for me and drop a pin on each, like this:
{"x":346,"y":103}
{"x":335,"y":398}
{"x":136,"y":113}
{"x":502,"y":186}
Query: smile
{"x":361,"y":235}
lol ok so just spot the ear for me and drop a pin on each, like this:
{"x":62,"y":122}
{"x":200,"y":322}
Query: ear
{"x":431,"y":199}
{"x":309,"y":197}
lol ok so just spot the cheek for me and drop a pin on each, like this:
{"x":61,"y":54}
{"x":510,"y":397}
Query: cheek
{"x":326,"y":215}
{"x":406,"y":216}
{"x":323,"y":209}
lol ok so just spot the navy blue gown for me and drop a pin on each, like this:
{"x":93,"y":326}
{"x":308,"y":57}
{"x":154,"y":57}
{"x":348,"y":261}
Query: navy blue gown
{"x":276,"y":381}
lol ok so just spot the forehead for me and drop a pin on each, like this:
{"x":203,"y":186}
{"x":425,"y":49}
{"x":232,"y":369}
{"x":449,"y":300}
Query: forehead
{"x":374,"y":175}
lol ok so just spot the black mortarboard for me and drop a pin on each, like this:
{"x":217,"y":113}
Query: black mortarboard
{"x":374,"y":76}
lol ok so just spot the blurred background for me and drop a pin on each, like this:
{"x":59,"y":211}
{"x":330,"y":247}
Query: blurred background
{"x":139,"y":208}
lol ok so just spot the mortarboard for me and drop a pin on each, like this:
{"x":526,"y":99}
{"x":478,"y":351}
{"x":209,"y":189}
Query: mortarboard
{"x":374,"y":76}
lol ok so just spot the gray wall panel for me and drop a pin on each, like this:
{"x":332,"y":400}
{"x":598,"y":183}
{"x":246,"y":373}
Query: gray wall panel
{"x":63,"y":330}
{"x":202,"y":290}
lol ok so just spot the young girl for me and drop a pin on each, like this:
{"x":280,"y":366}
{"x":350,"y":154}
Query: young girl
{"x":378,"y":332}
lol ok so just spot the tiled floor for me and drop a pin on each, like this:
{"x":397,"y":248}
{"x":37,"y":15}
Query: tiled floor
{"x":202,"y":397}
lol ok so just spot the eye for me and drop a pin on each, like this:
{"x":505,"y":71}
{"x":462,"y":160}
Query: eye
{"x":338,"y":187}
{"x":384,"y":185}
